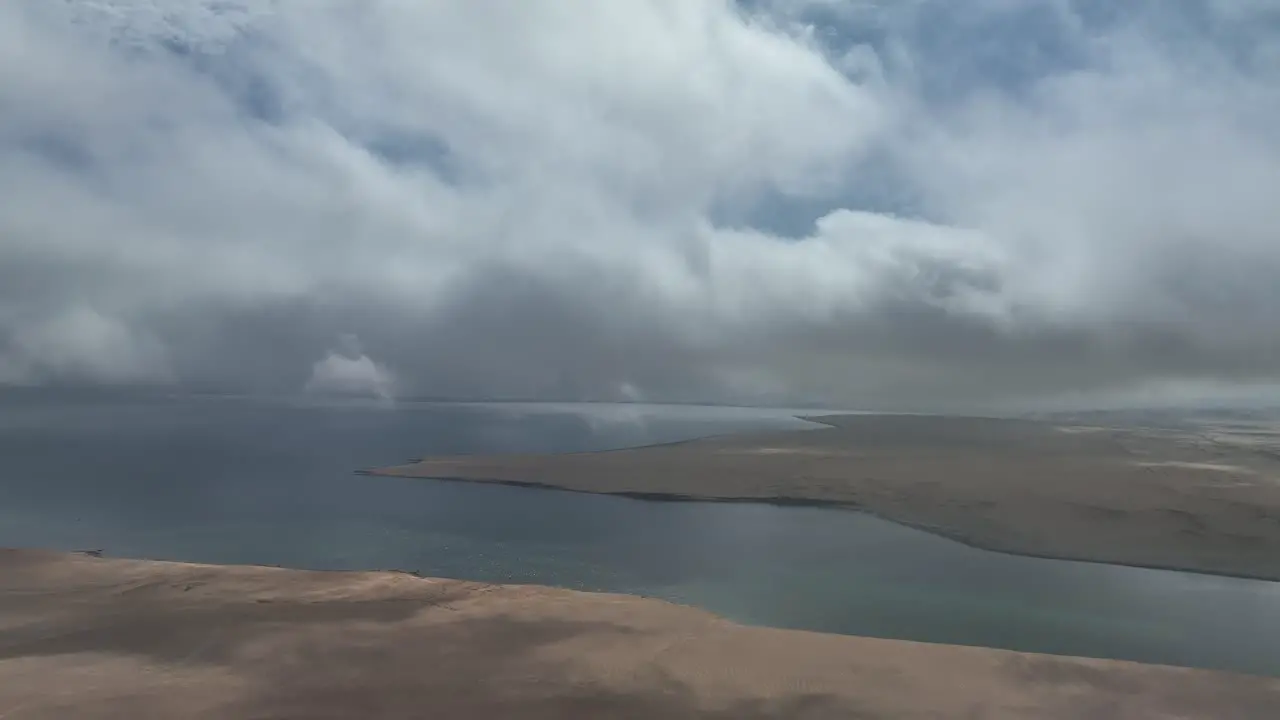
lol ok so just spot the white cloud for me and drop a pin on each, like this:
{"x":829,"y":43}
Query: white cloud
{"x":338,"y":374}
{"x":544,"y":199}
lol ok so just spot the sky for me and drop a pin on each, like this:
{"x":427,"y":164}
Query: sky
{"x":881,"y":204}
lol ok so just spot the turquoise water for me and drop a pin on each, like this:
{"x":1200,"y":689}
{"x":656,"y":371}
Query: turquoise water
{"x":271,"y":482}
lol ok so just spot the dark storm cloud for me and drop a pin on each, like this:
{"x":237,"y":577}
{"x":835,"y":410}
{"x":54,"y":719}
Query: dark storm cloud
{"x":918,"y":204}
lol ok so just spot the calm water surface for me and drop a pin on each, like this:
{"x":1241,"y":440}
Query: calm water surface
{"x":240,"y":481}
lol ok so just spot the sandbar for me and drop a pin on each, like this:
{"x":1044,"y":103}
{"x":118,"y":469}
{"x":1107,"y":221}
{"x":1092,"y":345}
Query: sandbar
{"x":1203,"y":499}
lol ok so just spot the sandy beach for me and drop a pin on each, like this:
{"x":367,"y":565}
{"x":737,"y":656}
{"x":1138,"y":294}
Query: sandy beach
{"x":84,"y":637}
{"x":1205,"y":499}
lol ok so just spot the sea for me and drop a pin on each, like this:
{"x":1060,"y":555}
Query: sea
{"x":274,"y":481}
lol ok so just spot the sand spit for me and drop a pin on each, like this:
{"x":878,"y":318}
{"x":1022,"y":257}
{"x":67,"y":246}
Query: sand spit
{"x":1174,"y":499}
{"x":104,"y":639}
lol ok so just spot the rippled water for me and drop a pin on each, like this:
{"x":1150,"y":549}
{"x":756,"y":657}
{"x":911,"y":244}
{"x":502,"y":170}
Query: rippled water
{"x":271,"y":482}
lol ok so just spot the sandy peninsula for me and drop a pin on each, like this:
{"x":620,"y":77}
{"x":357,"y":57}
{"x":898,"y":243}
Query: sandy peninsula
{"x":1204,"y":498}
{"x":105,"y":639}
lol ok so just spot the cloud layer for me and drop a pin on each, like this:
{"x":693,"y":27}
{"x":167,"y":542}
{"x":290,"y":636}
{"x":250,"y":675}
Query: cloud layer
{"x":917,"y":204}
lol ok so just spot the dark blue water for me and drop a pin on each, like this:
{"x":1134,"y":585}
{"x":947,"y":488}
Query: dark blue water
{"x":240,"y":481}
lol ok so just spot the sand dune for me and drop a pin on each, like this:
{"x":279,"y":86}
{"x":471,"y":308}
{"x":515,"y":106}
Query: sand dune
{"x":1157,"y":498}
{"x":99,"y":639}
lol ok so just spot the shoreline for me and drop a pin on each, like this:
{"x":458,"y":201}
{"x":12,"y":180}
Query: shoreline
{"x":106,"y":638}
{"x":1100,"y":498}
{"x":788,"y":502}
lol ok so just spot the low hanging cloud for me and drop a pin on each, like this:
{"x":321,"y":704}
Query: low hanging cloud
{"x":81,"y":344}
{"x":919,"y":204}
{"x":348,"y":371}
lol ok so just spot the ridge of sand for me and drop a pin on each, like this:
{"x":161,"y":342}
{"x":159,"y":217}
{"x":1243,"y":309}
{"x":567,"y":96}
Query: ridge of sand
{"x":1182,"y":500}
{"x":106,"y":639}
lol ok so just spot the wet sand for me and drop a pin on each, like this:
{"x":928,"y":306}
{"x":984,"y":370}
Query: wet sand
{"x":100,"y":639}
{"x":1204,"y":498}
